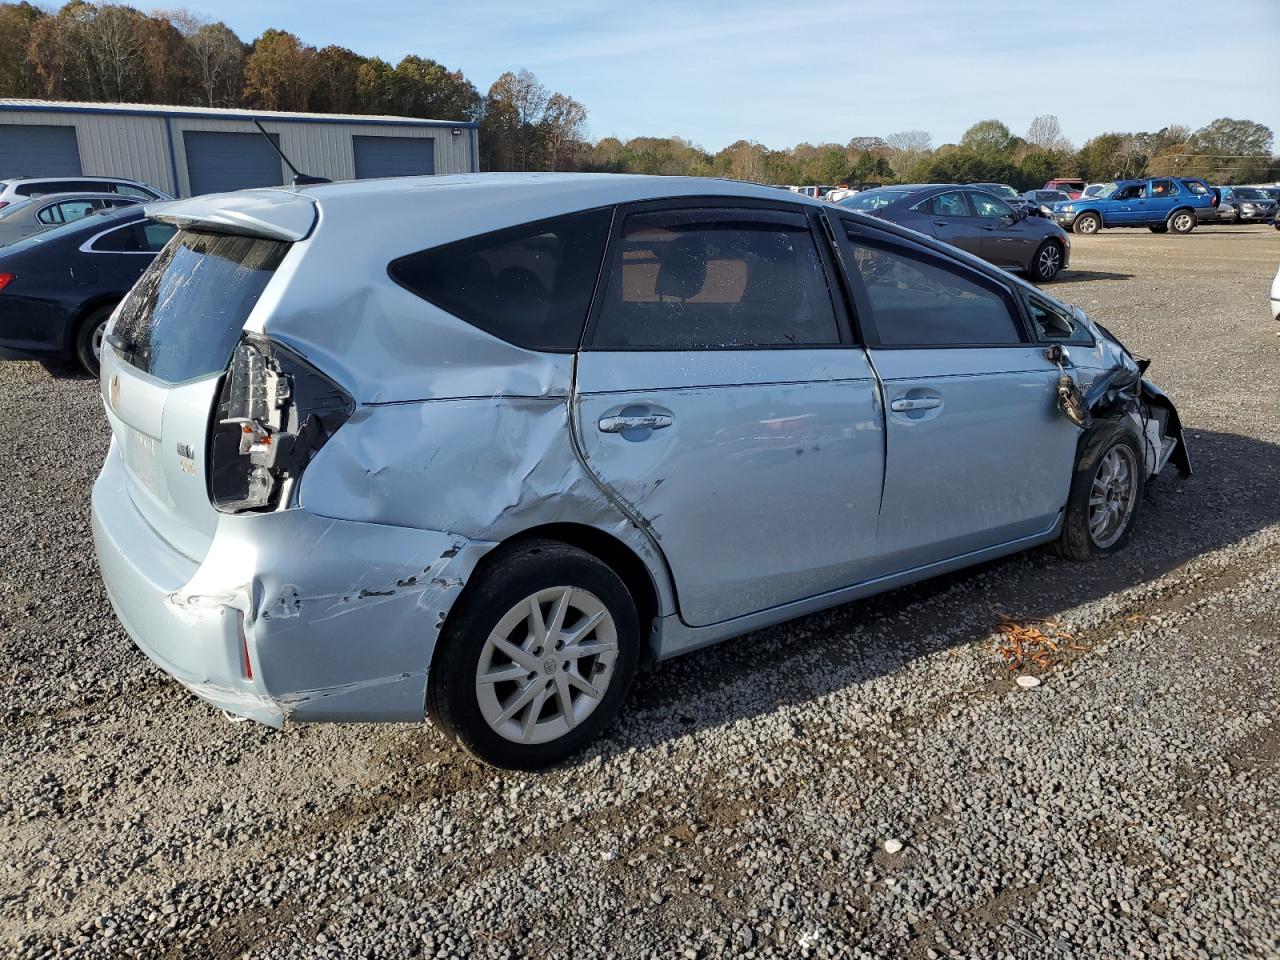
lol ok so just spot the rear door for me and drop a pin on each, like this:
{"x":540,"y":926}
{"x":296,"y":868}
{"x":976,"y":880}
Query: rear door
{"x":1163,"y":196}
{"x":951,"y":220}
{"x":721,"y":400}
{"x":977,"y":452}
{"x":167,"y":348}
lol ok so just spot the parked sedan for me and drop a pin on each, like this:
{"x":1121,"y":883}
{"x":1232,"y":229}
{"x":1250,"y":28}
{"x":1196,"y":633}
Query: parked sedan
{"x":518,"y":440}
{"x":57,"y":288}
{"x":35,"y":215}
{"x":1043,"y":200}
{"x":975,"y":221}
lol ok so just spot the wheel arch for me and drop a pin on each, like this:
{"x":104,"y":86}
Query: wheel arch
{"x":86,"y":310}
{"x":649,"y":589}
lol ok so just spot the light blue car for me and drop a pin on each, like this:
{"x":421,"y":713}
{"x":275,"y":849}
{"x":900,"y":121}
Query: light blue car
{"x":480,"y":447}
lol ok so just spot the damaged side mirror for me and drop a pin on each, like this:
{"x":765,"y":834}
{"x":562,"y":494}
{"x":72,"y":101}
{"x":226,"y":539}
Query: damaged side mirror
{"x":1070,"y":399}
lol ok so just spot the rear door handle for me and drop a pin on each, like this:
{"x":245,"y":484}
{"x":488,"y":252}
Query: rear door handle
{"x":904,"y":404}
{"x":653,"y":421}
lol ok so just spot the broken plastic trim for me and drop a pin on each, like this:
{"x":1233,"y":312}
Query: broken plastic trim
{"x":274,"y":413}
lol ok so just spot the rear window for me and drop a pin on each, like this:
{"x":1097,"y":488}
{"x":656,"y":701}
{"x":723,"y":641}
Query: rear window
{"x":183,"y":317}
{"x":531,"y":285}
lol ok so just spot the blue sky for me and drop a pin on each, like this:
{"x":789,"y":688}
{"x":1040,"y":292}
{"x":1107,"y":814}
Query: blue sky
{"x":816,"y":70}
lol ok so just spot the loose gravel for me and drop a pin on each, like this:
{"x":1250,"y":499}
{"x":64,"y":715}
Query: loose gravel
{"x":868,"y":782}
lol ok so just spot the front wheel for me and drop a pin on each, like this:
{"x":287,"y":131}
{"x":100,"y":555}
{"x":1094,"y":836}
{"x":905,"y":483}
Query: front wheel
{"x":537,"y":658}
{"x":1087,"y":223}
{"x":88,"y":340}
{"x":1047,"y":262}
{"x":1106,"y":491}
{"x":1181,"y":221}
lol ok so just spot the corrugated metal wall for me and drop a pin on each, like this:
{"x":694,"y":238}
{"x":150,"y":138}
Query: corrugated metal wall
{"x":137,"y":147}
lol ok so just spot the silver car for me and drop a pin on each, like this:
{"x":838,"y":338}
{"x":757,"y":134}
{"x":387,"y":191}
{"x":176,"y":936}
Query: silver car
{"x":26,"y":218}
{"x":481,"y":447}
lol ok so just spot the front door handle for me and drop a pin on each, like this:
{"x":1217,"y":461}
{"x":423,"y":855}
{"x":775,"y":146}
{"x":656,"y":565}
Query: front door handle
{"x":651,"y":421}
{"x":904,"y":404}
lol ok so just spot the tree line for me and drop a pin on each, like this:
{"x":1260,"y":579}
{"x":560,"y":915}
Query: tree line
{"x":114,"y":53}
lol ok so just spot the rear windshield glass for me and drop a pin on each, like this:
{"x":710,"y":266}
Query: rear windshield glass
{"x":183,"y":317}
{"x":874,"y":199}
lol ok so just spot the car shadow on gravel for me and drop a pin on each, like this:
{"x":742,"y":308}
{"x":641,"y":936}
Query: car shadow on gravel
{"x":64,"y":370}
{"x":1077,"y":276}
{"x":1231,"y":496}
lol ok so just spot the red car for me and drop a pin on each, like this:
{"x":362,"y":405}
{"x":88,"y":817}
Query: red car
{"x":1069,"y":185}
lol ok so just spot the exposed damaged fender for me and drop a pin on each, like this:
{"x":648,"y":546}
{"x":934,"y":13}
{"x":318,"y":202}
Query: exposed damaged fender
{"x":1156,"y":398}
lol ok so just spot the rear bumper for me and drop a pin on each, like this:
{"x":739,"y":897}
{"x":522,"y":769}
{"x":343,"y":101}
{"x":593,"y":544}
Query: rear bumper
{"x":288,"y":615}
{"x":32,"y":330}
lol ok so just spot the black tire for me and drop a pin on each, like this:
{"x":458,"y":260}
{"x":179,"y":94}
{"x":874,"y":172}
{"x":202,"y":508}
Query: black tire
{"x":89,"y":328}
{"x":1159,"y":228}
{"x":1047,"y":263}
{"x":501,"y":585}
{"x":1181,"y":221}
{"x":1077,"y":541}
{"x":1087,"y":223}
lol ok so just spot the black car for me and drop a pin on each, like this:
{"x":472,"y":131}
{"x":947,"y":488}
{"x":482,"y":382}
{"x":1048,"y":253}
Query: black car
{"x":58,"y":288}
{"x":973,"y":220}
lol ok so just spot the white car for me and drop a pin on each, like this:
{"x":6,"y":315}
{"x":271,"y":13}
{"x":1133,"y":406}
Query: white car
{"x":838,"y":194}
{"x":1275,"y":297}
{"x":15,"y":189}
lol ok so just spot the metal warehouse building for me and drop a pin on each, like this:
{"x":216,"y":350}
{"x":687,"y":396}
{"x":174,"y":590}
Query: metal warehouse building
{"x":186,"y":151}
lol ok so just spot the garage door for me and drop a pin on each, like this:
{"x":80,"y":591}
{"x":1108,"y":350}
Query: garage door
{"x":394,"y":156}
{"x":218,"y":162}
{"x":36,"y":150}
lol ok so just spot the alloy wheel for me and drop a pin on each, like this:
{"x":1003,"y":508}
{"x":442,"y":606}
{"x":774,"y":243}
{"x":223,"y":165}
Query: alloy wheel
{"x":1112,"y":496}
{"x":96,"y":341}
{"x":1182,"y":222}
{"x":1089,"y":225}
{"x":547,"y":664}
{"x":1049,"y":261}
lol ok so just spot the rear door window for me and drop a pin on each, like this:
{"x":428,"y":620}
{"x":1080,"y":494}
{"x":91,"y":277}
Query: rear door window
{"x":129,"y":190}
{"x":715,"y":279}
{"x":919,"y":301}
{"x":530,"y":285}
{"x":184,"y":316}
{"x":141,"y":236}
{"x":950,"y":204}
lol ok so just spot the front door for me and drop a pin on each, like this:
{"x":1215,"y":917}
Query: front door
{"x":977,"y":453}
{"x":720,"y":400}
{"x":1007,"y":240}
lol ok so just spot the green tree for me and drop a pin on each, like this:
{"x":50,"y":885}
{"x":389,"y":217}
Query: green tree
{"x":990,"y":139}
{"x":18,"y":76}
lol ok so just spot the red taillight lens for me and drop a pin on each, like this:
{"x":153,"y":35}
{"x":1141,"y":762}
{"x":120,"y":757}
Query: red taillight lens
{"x":3,"y":204}
{"x":5,"y":280}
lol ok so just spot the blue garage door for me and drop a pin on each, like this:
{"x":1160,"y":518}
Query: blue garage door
{"x":36,"y":150}
{"x":218,"y":162}
{"x":394,"y":156}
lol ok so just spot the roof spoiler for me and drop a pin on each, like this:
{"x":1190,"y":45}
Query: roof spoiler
{"x":272,"y":214}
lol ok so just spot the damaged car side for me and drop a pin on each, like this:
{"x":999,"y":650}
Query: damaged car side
{"x":534,"y":431}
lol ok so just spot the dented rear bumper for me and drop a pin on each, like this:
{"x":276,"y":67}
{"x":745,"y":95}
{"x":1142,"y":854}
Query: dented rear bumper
{"x":265,"y":624}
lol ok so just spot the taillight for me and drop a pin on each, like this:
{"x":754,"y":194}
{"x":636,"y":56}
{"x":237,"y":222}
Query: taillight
{"x":3,"y":204}
{"x":274,"y":413}
{"x":5,"y":280}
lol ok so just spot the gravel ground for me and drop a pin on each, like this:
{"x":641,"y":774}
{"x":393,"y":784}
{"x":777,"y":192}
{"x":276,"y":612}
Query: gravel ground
{"x":869,"y":782}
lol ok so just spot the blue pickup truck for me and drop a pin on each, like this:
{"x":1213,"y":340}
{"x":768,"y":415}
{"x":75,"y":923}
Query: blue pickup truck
{"x":1162,"y":204}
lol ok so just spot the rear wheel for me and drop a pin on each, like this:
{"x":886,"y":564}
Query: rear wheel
{"x":1106,"y":491}
{"x":537,"y":658}
{"x":1087,"y":223}
{"x":1047,"y":262}
{"x":1181,"y":221}
{"x":88,"y":340}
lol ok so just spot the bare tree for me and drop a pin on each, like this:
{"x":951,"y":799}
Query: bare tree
{"x":907,"y":148}
{"x":111,"y":42}
{"x":1046,"y":133}
{"x":529,"y":98}
{"x":565,"y":120}
{"x":216,"y":54}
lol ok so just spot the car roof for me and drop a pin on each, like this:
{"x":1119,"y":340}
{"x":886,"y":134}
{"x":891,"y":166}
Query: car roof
{"x":97,"y":179}
{"x":75,"y":195}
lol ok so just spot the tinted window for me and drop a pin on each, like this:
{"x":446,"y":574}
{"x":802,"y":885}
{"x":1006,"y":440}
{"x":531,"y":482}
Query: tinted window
{"x":41,"y":187}
{"x":184,"y":315}
{"x":874,"y":199}
{"x":715,"y":279}
{"x":1164,"y":188}
{"x":1056,"y":323}
{"x":128,"y":190}
{"x":141,"y":236}
{"x":530,"y":285}
{"x":916,"y":301}
{"x":950,"y":204}
{"x":985,"y":205}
